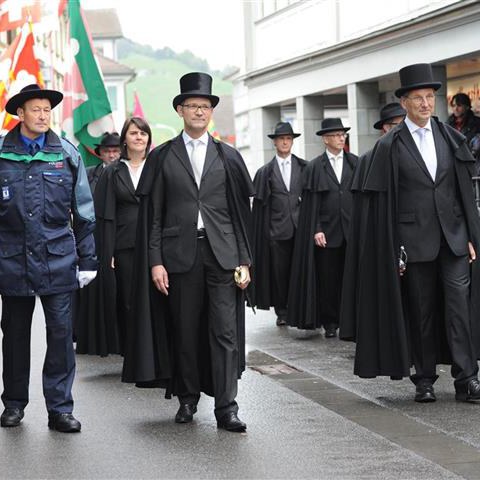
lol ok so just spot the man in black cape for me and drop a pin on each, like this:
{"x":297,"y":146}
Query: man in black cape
{"x":421,"y":199}
{"x":193,"y":233}
{"x":276,"y":205}
{"x":319,"y":254}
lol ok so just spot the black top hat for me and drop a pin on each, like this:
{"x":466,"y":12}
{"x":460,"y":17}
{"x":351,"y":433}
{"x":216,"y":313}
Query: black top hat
{"x":332,"y":125}
{"x":283,"y":128}
{"x":389,"y":111}
{"x":195,"y":84}
{"x":418,"y":75}
{"x":28,"y":93}
{"x":108,"y":140}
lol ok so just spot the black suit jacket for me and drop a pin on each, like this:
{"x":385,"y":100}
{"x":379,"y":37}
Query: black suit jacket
{"x":176,"y":200}
{"x":93,"y":174}
{"x":335,"y":204}
{"x":427,"y":208}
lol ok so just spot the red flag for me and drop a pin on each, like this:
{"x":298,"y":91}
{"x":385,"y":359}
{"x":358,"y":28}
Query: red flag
{"x":21,"y":69}
{"x":137,"y":107}
{"x":14,"y":13}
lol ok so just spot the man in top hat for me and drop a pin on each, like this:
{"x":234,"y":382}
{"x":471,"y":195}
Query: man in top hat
{"x":465,"y":121}
{"x":278,"y":190}
{"x":199,"y":255}
{"x":109,"y":151}
{"x":422,"y":233}
{"x":47,"y":250}
{"x":322,"y":234}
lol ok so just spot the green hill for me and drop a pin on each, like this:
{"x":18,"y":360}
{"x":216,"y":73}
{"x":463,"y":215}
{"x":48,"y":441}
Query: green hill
{"x":156,"y":84}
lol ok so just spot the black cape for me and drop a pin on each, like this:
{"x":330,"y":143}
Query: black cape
{"x":259,"y":290}
{"x":376,"y":318}
{"x":96,"y":307}
{"x":148,"y":356}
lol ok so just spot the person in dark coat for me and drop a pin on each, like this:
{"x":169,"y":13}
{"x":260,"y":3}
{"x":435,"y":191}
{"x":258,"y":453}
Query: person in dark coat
{"x":421,"y":211}
{"x":276,"y":205}
{"x":95,"y":319}
{"x":117,"y":214}
{"x":198,"y":223}
{"x":318,"y":261}
{"x":466,"y":122}
{"x":109,"y":151}
{"x":47,"y":250}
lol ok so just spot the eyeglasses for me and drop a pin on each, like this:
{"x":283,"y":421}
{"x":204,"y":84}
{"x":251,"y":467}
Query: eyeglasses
{"x":192,"y":107}
{"x":338,"y":135}
{"x":418,"y":100}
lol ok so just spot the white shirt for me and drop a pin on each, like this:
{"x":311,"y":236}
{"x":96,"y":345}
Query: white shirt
{"x":430,"y":155}
{"x":201,"y":147}
{"x":135,"y":173}
{"x":285,"y":166}
{"x":337,"y":163}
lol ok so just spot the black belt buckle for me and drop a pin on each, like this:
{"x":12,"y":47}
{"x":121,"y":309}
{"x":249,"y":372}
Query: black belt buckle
{"x":201,"y":233}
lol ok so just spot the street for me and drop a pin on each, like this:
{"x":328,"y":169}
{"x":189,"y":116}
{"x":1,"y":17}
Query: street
{"x":307,"y":417}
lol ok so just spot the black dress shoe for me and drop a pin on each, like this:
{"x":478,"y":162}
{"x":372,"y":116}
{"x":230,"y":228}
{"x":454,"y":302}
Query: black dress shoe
{"x":11,"y":417}
{"x":330,"y":331}
{"x":469,"y":392}
{"x":185,"y":413}
{"x":64,"y":422}
{"x":281,"y":321}
{"x":231,"y":422}
{"x":425,"y":393}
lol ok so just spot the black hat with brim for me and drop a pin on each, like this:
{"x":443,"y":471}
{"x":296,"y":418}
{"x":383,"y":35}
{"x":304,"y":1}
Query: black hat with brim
{"x":30,"y":92}
{"x":195,"y":84}
{"x":283,"y":128}
{"x":416,"y":76}
{"x":332,"y":125}
{"x":388,"y":112}
{"x":108,"y":140}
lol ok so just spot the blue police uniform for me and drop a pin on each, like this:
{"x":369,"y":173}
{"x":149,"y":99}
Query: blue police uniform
{"x":46,"y":232}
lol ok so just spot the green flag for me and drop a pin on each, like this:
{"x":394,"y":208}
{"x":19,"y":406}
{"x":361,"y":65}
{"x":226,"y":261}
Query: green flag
{"x":86,"y":109}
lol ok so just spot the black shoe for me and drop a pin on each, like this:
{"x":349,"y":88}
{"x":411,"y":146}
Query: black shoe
{"x":64,"y":422}
{"x":330,"y":331}
{"x":470,"y":392}
{"x":11,"y":417}
{"x":185,"y":413}
{"x":424,"y":392}
{"x":281,"y":321}
{"x":231,"y":422}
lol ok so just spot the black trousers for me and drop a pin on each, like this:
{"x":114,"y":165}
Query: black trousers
{"x":426,"y":283}
{"x":280,"y":263}
{"x":59,"y":365}
{"x":203,"y":306}
{"x":329,"y":263}
{"x":123,"y":278}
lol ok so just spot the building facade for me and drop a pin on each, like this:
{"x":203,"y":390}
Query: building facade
{"x":307,"y":60}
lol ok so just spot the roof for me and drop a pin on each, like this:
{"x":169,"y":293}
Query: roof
{"x":110,"y":67}
{"x":104,"y":23}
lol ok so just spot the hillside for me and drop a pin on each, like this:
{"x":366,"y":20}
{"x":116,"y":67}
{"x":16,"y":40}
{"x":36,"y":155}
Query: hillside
{"x":156,"y":84}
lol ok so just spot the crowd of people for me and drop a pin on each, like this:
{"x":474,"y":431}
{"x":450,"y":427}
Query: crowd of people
{"x":377,"y":249}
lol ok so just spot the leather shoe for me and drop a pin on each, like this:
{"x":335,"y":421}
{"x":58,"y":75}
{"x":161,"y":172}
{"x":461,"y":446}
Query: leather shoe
{"x":470,"y":392}
{"x":64,"y":422}
{"x":281,"y":321}
{"x":425,"y":393}
{"x":330,"y":331}
{"x":231,"y":422}
{"x":11,"y":417}
{"x":185,"y":413}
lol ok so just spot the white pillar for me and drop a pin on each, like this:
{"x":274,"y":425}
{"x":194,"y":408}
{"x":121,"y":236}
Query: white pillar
{"x":309,"y":116}
{"x":262,"y":121}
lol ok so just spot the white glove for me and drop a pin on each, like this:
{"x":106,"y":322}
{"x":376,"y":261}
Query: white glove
{"x":85,"y":277}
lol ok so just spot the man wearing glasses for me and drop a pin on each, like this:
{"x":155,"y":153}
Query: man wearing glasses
{"x":322,"y":233}
{"x":199,"y":256}
{"x":421,"y":209}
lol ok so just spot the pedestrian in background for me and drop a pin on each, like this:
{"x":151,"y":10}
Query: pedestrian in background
{"x":109,"y":152}
{"x":47,"y":250}
{"x":319,"y":256}
{"x":276,"y":205}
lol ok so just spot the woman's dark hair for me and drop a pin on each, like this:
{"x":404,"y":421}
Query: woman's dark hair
{"x":143,"y":126}
{"x":461,"y":99}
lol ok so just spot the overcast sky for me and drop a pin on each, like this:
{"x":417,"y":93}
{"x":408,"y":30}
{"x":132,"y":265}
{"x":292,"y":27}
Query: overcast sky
{"x":211,"y":29}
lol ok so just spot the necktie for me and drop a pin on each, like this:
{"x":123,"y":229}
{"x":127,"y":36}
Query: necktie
{"x":33,"y":148}
{"x":197,"y":161}
{"x":428,"y":155}
{"x":336,"y":167}
{"x":286,"y":173}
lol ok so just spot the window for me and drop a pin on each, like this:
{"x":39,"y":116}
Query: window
{"x":112,"y":96}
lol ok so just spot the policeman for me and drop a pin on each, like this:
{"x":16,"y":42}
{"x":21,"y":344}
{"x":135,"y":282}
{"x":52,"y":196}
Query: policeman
{"x":46,"y":249}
